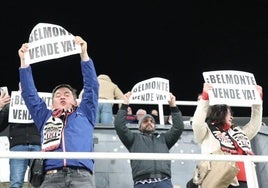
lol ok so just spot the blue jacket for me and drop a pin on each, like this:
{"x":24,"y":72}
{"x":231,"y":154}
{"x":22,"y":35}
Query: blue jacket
{"x":77,"y":134}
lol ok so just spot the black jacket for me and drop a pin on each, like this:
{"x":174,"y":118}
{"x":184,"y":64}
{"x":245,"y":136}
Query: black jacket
{"x":19,"y":134}
{"x":152,"y":143}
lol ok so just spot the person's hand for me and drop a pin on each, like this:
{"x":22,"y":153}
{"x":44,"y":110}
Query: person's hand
{"x":172,"y":101}
{"x":23,"y":49}
{"x":126,"y":97}
{"x":4,"y":99}
{"x":206,"y":88}
{"x":259,"y":89}
{"x":83,"y":54}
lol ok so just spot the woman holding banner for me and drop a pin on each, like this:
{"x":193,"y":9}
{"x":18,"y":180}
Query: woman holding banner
{"x":214,"y":130}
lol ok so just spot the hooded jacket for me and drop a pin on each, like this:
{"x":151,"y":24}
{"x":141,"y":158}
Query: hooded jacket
{"x":149,"y":143}
{"x":108,"y":89}
{"x":77,"y":133}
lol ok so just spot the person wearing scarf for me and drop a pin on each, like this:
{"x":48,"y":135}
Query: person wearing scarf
{"x":67,"y":126}
{"x":214,"y":129}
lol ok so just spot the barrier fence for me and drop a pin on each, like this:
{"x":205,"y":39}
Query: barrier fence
{"x":248,"y":160}
{"x":160,"y":106}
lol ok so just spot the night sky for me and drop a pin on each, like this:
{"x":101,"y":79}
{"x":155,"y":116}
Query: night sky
{"x":136,"y":40}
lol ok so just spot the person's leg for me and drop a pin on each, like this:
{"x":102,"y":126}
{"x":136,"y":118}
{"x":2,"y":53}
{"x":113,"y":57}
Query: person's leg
{"x":33,"y":148}
{"x":80,"y":179}
{"x":164,"y":184}
{"x":54,"y":180}
{"x":146,"y":185}
{"x":98,"y":113}
{"x":18,"y":168}
{"x":70,"y":179}
{"x":107,"y":114}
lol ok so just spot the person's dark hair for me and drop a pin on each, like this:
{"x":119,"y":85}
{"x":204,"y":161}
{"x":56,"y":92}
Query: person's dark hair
{"x":217,"y":114}
{"x":67,"y":86}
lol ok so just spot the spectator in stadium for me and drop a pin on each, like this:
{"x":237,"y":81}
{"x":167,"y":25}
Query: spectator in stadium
{"x":214,"y":130}
{"x":66,"y":127}
{"x":154,"y":113}
{"x":149,"y":173}
{"x":110,"y":91}
{"x":22,"y":137}
{"x":131,"y":118}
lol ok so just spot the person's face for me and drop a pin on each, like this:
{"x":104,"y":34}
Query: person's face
{"x":147,"y":125}
{"x":229,"y":118}
{"x":154,"y":112}
{"x":139,"y":115}
{"x":129,"y":110}
{"x":63,"y":99}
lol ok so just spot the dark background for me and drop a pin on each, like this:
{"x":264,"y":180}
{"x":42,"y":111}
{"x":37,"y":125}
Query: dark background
{"x":136,"y":40}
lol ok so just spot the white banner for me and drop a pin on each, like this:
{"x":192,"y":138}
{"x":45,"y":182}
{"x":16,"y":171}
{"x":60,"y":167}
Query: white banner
{"x":151,"y":90}
{"x":49,"y":41}
{"x":234,"y":88}
{"x":18,"y":112}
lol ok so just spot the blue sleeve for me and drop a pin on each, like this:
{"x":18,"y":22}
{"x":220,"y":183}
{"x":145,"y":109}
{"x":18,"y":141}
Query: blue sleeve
{"x":36,"y":106}
{"x":89,"y":101}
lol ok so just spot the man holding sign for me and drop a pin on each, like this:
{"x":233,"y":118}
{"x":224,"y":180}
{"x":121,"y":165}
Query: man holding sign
{"x":50,"y":41}
{"x":66,"y":127}
{"x":149,"y":173}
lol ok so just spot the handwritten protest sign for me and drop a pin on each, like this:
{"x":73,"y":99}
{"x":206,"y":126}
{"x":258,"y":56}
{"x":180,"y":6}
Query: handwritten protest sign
{"x":151,"y":90}
{"x":234,"y":88}
{"x":18,"y":112}
{"x":49,"y":41}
